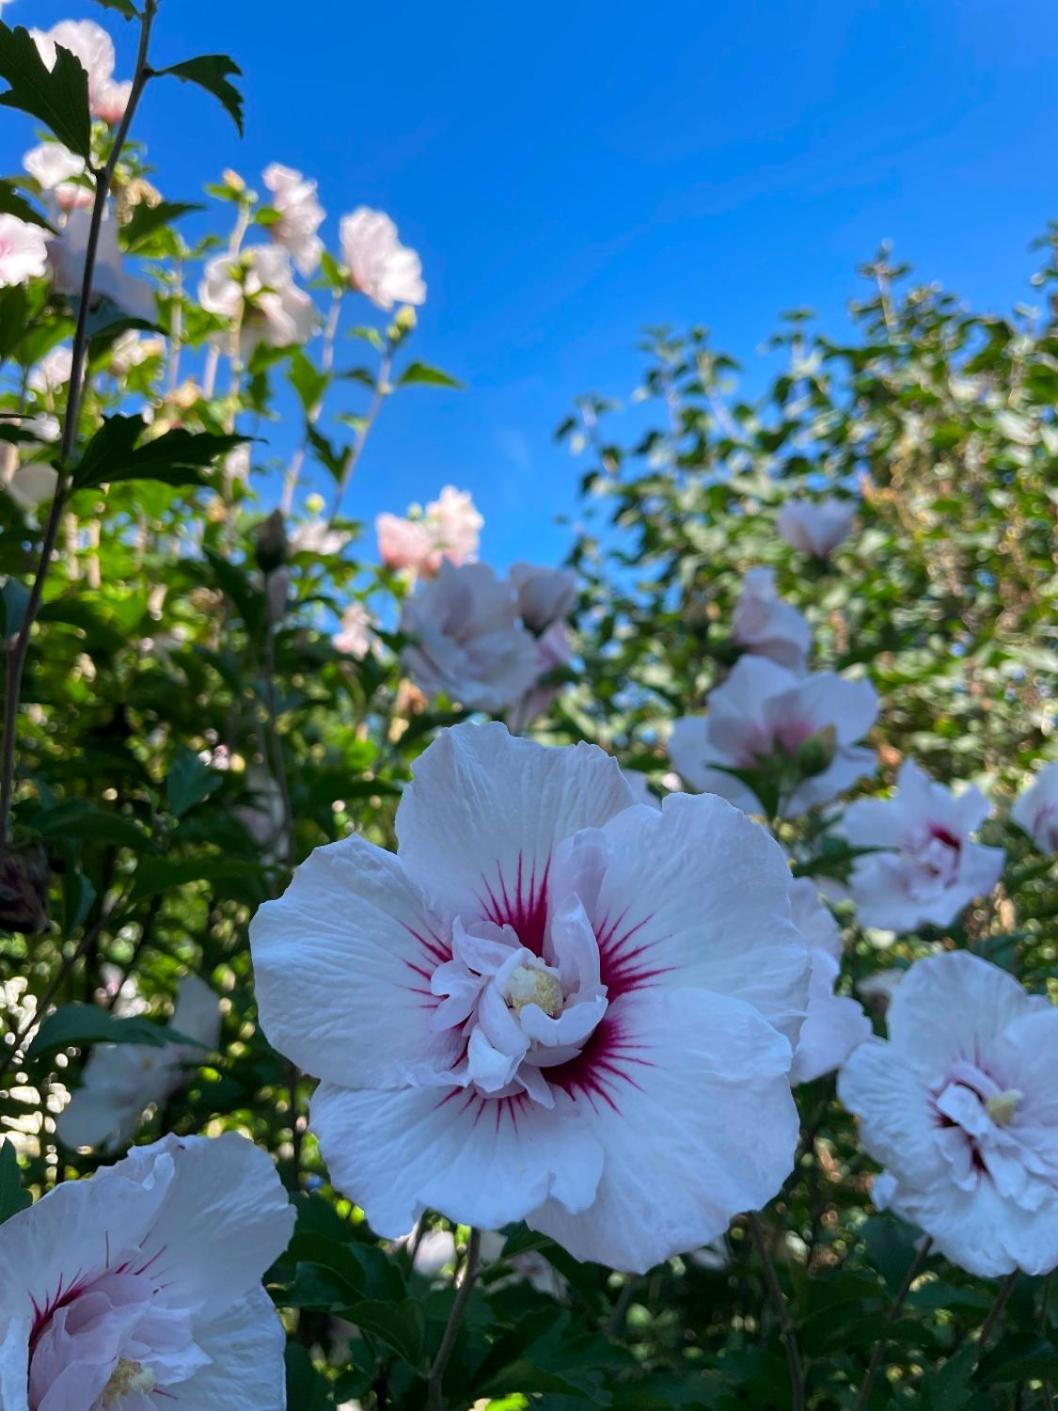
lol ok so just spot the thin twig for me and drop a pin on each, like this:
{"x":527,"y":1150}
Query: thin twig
{"x":782,"y":1312}
{"x":381,"y":392}
{"x":895,"y":1308}
{"x":16,"y":659}
{"x":297,"y":460}
{"x":444,"y":1352}
{"x":995,"y":1313}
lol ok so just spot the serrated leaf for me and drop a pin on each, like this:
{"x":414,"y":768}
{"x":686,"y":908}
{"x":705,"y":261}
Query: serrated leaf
{"x":401,"y":1326}
{"x":147,"y":220}
{"x":125,"y":8}
{"x":211,"y":72}
{"x":189,"y":782}
{"x":423,"y":375}
{"x":12,"y":1197}
{"x":308,"y":381}
{"x":81,"y":1025}
{"x":177,"y":458}
{"x":58,"y":97}
{"x":13,"y":203}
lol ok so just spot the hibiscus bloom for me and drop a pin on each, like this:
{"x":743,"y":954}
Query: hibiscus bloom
{"x":57,"y":170}
{"x":257,"y":288}
{"x":834,"y":1025}
{"x":926,"y":868}
{"x":110,"y":279}
{"x":816,"y":527}
{"x":378,"y":264}
{"x":549,"y":1005}
{"x":545,"y":595}
{"x":121,"y":1080}
{"x":52,"y":372}
{"x":357,"y":635}
{"x":962,"y":1114}
{"x":769,"y":627}
{"x":300,"y":216}
{"x":797,"y":732}
{"x":92,"y":46}
{"x":139,"y":1289}
{"x":466,"y":640}
{"x":1036,"y":810}
{"x":23,"y":251}
{"x":448,"y":528}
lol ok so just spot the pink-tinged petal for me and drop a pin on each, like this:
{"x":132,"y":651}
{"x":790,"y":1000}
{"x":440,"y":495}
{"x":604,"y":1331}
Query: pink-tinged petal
{"x":485,"y":812}
{"x":833,"y":1027}
{"x":897,"y":1123}
{"x":70,"y":1234}
{"x":246,"y":1342}
{"x":14,"y":1363}
{"x":949,"y":1006}
{"x":827,"y":699}
{"x":697,"y":895}
{"x":225,"y":1218}
{"x":342,"y":965}
{"x":689,"y":1095}
{"x":478,"y":1161}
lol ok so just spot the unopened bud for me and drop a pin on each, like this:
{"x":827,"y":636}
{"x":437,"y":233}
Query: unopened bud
{"x":314,"y":503}
{"x":277,"y":585}
{"x":24,"y":877}
{"x":271,"y":542}
{"x":817,"y":752}
{"x":233,"y":180}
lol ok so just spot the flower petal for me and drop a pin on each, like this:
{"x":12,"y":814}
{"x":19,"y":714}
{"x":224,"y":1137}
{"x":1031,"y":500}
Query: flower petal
{"x":478,"y":1161}
{"x":485,"y":811}
{"x":695,"y":1114}
{"x":246,"y":1342}
{"x":342,"y":965}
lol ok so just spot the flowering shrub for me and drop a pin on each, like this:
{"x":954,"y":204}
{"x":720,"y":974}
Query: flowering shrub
{"x":626,"y":983}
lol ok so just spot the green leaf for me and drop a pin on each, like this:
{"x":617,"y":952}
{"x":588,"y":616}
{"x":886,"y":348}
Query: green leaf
{"x":189,"y":782}
{"x":80,"y":1025}
{"x":307,"y":380}
{"x":177,"y":458}
{"x":125,"y":8}
{"x":211,"y":72}
{"x":58,"y":97}
{"x":12,"y":1197}
{"x":147,"y":220}
{"x":336,"y":461}
{"x":307,"y":1390}
{"x":401,"y":1326}
{"x":14,"y":599}
{"x":422,"y":375}
{"x":13,"y":203}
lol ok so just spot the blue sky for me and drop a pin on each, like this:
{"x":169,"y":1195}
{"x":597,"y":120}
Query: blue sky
{"x":570,"y":172}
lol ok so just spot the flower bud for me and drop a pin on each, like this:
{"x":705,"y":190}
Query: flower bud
{"x":271,"y":542}
{"x":816,"y":754}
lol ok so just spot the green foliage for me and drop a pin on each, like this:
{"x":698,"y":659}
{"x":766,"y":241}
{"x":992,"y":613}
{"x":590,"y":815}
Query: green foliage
{"x":213,"y":72}
{"x":57,"y":97}
{"x":118,"y":452}
{"x":79,"y":1025}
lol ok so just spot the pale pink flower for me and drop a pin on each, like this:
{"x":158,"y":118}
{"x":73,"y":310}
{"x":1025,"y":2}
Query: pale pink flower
{"x":448,"y":529}
{"x":93,"y":47}
{"x":926,"y":868}
{"x":834,"y":1025}
{"x":257,"y":289}
{"x":959,"y":1107}
{"x":121,"y":1080}
{"x":315,"y":536}
{"x":357,"y":635}
{"x":545,"y":595}
{"x":816,"y":527}
{"x":767,"y":626}
{"x":23,"y":251}
{"x":553,"y":649}
{"x":264,"y":818}
{"x":466,"y":640}
{"x":52,"y":372}
{"x":130,"y":350}
{"x":406,"y":544}
{"x":140,"y":1287}
{"x":547,"y":1003}
{"x":31,"y":483}
{"x":57,"y":171}
{"x":799,"y":731}
{"x":378,"y":264}
{"x":1036,"y":810}
{"x":301,"y":216}
{"x":110,"y":279}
